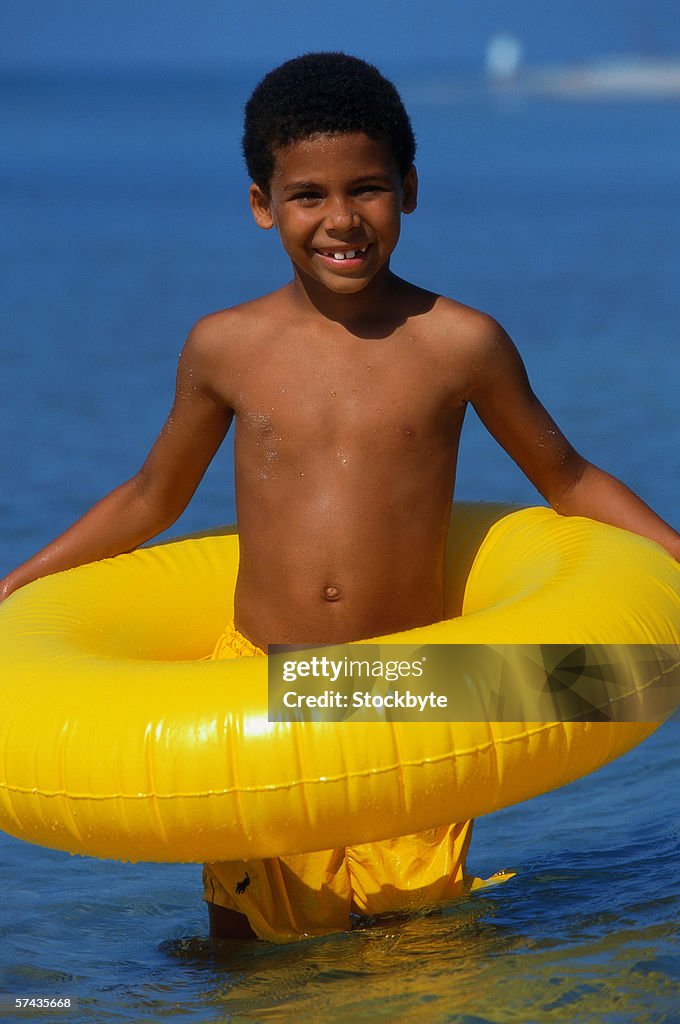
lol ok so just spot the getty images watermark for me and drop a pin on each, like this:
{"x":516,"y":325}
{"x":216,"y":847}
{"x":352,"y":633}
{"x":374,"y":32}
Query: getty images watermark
{"x":474,"y":682}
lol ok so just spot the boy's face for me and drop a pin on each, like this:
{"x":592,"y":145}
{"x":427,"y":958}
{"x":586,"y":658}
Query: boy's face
{"x":336,"y":201}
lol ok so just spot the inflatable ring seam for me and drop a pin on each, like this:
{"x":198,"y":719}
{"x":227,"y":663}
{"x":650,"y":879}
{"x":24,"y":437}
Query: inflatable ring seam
{"x":460,"y":752}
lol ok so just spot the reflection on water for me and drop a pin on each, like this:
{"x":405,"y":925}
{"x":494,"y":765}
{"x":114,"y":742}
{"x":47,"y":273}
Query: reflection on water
{"x":385,"y":970}
{"x":463,"y":963}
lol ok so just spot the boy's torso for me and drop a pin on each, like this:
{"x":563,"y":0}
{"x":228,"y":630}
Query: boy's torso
{"x":345,"y":455}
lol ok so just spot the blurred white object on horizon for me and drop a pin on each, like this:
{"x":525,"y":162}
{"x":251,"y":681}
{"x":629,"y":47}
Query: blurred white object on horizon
{"x":504,"y":54}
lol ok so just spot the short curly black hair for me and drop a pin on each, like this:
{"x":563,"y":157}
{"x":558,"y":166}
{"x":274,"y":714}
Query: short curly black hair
{"x":322,"y":93}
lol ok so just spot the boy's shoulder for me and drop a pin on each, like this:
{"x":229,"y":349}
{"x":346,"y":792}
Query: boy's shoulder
{"x":227,"y":324}
{"x":232,"y":332}
{"x":469,"y":347}
{"x":444,"y":326}
{"x":462,"y":329}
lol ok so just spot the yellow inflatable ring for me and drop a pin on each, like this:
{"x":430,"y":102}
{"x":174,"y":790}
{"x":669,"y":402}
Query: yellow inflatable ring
{"x":116,"y":740}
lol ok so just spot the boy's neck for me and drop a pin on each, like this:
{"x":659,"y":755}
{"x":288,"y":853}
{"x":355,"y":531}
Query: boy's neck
{"x":369,"y":311}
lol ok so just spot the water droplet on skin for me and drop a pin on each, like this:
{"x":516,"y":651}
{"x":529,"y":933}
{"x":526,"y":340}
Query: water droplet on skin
{"x":546,"y":436}
{"x":333,"y":393}
{"x":302,"y":474}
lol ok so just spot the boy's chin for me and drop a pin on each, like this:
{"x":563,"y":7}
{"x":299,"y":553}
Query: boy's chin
{"x":346,"y":286}
{"x":337,"y":284}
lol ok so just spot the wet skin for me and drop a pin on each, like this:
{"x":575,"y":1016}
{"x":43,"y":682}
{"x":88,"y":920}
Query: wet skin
{"x":345,"y":460}
{"x":348,"y":414}
{"x":349,"y":388}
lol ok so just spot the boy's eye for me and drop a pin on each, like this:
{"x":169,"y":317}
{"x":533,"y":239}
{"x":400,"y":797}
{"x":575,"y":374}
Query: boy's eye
{"x":306,"y":197}
{"x":369,"y":190}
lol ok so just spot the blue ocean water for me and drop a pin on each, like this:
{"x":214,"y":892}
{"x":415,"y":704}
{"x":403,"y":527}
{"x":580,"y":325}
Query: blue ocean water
{"x":125,"y":219}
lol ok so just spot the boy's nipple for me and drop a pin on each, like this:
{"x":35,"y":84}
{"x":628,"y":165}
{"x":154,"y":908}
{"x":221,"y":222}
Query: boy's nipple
{"x":332,"y":592}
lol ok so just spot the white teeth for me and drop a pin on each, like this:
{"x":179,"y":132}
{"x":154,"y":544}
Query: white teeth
{"x":350,"y":254}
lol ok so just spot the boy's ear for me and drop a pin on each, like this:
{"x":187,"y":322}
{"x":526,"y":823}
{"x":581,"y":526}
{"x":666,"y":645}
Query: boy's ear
{"x":261,"y":207}
{"x":409,"y":191}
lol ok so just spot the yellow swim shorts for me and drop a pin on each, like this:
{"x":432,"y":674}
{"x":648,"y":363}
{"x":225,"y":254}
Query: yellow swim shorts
{"x":300,"y":895}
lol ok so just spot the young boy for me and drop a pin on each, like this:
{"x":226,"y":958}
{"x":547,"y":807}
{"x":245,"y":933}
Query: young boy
{"x":348,"y":387}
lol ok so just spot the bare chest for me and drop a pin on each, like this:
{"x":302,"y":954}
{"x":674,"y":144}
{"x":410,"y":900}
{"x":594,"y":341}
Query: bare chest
{"x":369,"y":406}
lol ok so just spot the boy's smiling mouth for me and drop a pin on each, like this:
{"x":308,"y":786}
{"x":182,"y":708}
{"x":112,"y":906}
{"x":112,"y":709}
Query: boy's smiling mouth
{"x":339,"y":255}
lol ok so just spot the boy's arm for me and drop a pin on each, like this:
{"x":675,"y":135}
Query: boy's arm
{"x":157,"y":495}
{"x":502,"y":396}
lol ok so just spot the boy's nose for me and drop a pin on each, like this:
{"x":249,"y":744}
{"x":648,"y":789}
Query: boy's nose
{"x":343,"y":217}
